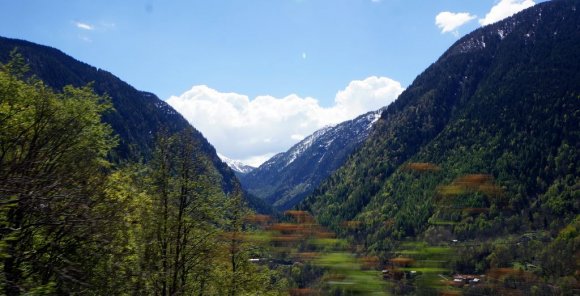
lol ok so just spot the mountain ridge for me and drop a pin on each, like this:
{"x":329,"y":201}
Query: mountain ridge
{"x":237,"y":166}
{"x":501,"y":102}
{"x":287,"y":177}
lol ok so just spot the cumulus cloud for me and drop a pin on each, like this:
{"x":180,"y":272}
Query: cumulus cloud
{"x":505,"y":8}
{"x":450,"y":21}
{"x":84,"y":26}
{"x":361,"y":96}
{"x":253,"y":130}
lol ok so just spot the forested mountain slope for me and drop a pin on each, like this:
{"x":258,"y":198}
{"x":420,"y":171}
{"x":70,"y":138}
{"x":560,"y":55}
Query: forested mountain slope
{"x":137,"y":117}
{"x":484,"y":143}
{"x":285,"y":179}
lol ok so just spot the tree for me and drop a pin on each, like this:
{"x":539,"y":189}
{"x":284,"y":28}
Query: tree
{"x":53,"y":149}
{"x":236,"y":246}
{"x":187,"y":212}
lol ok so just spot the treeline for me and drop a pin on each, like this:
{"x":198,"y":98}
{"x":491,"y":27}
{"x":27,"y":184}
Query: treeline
{"x":71,"y":222}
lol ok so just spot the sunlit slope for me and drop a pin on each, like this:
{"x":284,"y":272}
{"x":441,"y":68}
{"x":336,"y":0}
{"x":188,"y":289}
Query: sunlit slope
{"x":502,"y":103}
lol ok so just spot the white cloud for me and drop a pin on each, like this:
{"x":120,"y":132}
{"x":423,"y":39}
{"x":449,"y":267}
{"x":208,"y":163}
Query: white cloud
{"x":303,"y":55}
{"x":254,"y":130}
{"x":297,"y":137}
{"x":361,"y":96}
{"x":256,"y":161}
{"x":84,"y":26}
{"x":376,"y":1}
{"x":505,"y":8}
{"x":450,"y":21}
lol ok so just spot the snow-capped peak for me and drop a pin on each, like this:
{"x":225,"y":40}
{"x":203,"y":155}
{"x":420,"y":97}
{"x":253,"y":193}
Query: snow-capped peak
{"x":299,"y":148}
{"x":356,"y":129}
{"x":236,"y":165}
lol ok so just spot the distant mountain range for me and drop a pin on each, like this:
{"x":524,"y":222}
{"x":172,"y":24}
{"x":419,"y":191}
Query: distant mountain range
{"x":237,"y":166}
{"x":285,"y":179}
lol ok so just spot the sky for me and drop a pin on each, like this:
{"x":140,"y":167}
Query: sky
{"x":257,"y":76}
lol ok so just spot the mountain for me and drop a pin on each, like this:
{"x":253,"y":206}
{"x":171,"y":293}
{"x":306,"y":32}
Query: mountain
{"x":138,"y":116}
{"x":484,"y":144}
{"x":237,"y":166}
{"x":288,"y":177}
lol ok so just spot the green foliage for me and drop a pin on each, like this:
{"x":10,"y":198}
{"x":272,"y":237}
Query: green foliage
{"x":561,"y":257}
{"x":52,"y":160}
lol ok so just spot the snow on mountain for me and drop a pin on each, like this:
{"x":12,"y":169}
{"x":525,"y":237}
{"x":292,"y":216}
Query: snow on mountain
{"x":298,"y":149}
{"x":357,"y":128}
{"x":288,"y":177}
{"x":236,"y":165}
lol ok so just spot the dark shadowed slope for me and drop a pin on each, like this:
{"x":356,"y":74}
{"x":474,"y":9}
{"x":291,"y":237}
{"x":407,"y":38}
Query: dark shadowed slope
{"x":137,"y":117}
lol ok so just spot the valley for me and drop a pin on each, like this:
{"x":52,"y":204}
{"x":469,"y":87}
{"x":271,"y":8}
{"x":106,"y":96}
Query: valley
{"x":467,"y":184}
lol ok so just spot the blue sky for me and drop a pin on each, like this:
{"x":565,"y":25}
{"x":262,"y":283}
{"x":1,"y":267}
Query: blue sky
{"x":277,"y":48}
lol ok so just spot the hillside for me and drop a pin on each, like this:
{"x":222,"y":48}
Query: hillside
{"x":285,"y":179}
{"x":137,"y":117}
{"x":482,"y":146}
